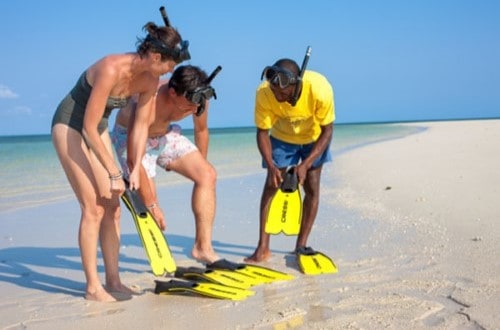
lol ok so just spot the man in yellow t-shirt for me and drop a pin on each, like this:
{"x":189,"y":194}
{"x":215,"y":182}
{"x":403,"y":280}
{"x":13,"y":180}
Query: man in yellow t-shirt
{"x":292,"y":132}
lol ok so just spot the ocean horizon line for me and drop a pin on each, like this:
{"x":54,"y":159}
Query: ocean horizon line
{"x":244,"y":129}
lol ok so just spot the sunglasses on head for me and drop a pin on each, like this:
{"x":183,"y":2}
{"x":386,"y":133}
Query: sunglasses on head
{"x":278,"y":76}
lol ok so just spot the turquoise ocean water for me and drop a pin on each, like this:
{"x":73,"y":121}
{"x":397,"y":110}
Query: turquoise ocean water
{"x":31,"y":174}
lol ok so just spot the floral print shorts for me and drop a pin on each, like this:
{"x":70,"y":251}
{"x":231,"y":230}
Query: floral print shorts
{"x":160,"y":150}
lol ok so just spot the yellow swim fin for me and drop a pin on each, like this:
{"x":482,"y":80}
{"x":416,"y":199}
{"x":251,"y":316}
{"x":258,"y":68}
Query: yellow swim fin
{"x":211,"y":290}
{"x":258,"y":273}
{"x":217,"y":276}
{"x":153,"y":240}
{"x":312,"y":262}
{"x":285,"y":210}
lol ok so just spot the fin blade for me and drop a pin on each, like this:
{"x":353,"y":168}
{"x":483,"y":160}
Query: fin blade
{"x":285,"y":209}
{"x":291,"y":226}
{"x":274,"y":214}
{"x":211,"y":290}
{"x":316,"y":263}
{"x":220,"y":276}
{"x":266,"y":274}
{"x":284,"y":214}
{"x":152,"y":238}
{"x":260,"y":273}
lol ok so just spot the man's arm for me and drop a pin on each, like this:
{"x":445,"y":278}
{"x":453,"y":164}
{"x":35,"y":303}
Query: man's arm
{"x":318,"y":149}
{"x":147,"y":191}
{"x":265,"y":149}
{"x":201,"y":131}
{"x":138,"y":133}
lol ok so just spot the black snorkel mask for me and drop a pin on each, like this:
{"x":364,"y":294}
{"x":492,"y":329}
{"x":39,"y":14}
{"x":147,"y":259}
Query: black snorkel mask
{"x":282,"y":77}
{"x":179,"y":53}
{"x":279,"y":76}
{"x":203,"y":93}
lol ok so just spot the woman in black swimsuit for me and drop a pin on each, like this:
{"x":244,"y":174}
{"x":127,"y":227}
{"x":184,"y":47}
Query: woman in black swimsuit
{"x":81,"y":138}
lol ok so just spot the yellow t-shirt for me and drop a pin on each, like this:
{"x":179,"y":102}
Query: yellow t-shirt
{"x":299,"y":124}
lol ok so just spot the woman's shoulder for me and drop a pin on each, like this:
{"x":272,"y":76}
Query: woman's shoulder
{"x":109,"y":65}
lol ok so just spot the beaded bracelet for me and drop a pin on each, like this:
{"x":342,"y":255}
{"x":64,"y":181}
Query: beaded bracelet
{"x":116,"y":176}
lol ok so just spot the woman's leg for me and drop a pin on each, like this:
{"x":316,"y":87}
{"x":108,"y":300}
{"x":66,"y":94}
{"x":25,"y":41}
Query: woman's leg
{"x":109,"y":232}
{"x":77,"y":162}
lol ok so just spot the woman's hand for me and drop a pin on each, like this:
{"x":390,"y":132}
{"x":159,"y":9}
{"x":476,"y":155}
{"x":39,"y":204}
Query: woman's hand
{"x":117,"y":185}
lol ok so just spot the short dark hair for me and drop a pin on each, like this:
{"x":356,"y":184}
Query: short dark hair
{"x":288,"y":64}
{"x":186,"y":78}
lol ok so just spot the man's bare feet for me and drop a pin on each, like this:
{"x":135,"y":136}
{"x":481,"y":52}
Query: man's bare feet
{"x":206,"y":257}
{"x":260,"y":254}
{"x":100,"y":295}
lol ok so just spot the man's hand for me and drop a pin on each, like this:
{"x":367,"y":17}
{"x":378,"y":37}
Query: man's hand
{"x":134,"y":180}
{"x":157,"y":214}
{"x":301,"y":171}
{"x":275,"y":176}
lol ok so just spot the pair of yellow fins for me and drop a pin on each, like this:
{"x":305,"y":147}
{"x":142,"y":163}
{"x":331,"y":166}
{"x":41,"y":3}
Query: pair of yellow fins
{"x":285,"y":216}
{"x":222,"y":279}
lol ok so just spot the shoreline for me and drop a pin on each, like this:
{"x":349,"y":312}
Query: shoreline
{"x":411,"y":223}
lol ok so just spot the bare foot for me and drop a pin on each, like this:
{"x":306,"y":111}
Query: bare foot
{"x":120,"y":288}
{"x":259,"y":255}
{"x":100,"y":295}
{"x":206,"y":257}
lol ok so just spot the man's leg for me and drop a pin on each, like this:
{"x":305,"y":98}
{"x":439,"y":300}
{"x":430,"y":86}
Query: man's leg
{"x":310,"y":204}
{"x":263,"y":252}
{"x":196,"y":168}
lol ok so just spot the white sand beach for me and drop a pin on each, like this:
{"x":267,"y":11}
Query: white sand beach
{"x":413,"y":225}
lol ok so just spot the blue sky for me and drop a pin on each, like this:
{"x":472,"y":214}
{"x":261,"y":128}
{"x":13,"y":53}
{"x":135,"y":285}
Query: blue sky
{"x":387,"y":60}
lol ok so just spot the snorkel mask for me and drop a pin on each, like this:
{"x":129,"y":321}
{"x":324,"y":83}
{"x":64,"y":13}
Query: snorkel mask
{"x":279,"y":76}
{"x":179,"y":53}
{"x":201,"y":94}
{"x":282,"y":77}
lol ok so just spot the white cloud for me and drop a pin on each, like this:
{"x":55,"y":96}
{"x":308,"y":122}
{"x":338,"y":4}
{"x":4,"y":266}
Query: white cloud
{"x":21,"y":110}
{"x":7,"y":93}
{"x":16,"y":111}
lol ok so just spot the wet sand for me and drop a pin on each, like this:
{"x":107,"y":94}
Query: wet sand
{"x":412,"y":223}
